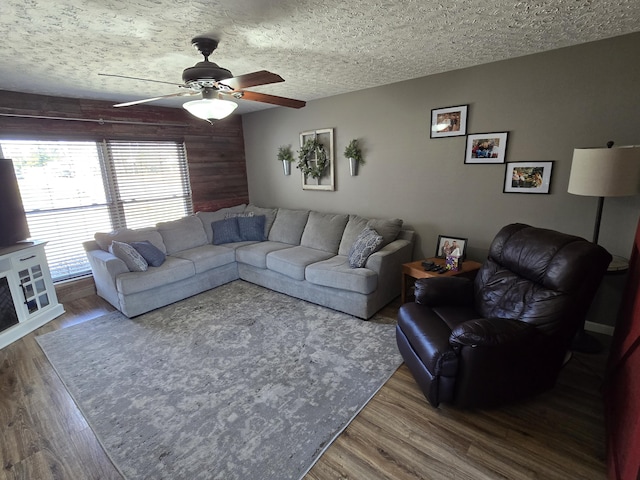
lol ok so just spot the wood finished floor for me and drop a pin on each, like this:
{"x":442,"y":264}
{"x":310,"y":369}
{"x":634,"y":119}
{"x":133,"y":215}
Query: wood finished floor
{"x":558,"y":435}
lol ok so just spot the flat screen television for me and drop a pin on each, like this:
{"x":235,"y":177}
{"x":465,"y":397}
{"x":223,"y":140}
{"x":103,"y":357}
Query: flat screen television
{"x":13,"y":221}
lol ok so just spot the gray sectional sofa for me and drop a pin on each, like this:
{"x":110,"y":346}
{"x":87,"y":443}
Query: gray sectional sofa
{"x":305,"y":254}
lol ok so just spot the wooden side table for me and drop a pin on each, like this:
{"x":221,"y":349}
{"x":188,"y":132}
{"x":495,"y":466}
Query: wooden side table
{"x":414,"y":270}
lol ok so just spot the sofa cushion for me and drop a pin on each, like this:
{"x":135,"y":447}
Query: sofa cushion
{"x":182,"y":234}
{"x":252,"y":228}
{"x":226,"y":231}
{"x":355,"y":226}
{"x":389,"y":229}
{"x":288,"y":226}
{"x":129,"y":255}
{"x":367,"y":242}
{"x":335,"y":272}
{"x":293,"y":261}
{"x":126,"y":235}
{"x":149,"y":252}
{"x":207,"y":257}
{"x":172,"y":270}
{"x":269,"y":214}
{"x":255,"y":254}
{"x":323,"y":231}
{"x":207,"y":218}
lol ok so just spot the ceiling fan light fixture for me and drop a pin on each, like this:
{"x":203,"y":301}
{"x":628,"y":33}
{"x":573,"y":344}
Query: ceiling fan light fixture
{"x":210,"y":109}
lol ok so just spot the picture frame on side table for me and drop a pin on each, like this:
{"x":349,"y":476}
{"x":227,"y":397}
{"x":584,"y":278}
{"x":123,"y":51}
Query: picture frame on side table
{"x":527,"y":177}
{"x":447,"y":245}
{"x":486,"y":148}
{"x":449,"y":121}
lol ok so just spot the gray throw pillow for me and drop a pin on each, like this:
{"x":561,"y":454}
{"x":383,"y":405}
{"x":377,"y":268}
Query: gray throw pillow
{"x":238,"y":215}
{"x":252,"y":228}
{"x":226,"y":231}
{"x":129,"y":255}
{"x":152,"y":254}
{"x":367,"y":243}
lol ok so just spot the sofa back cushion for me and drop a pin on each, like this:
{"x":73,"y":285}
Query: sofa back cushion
{"x":355,"y":226}
{"x":182,"y":234}
{"x":324,"y":231}
{"x":288,"y":226}
{"x":387,"y":228}
{"x":126,"y":235}
{"x":207,"y":218}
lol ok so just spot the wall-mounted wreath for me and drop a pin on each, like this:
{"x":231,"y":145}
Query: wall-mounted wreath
{"x":312,"y":150}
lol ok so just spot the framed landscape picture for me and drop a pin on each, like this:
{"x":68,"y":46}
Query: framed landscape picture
{"x":449,"y":121}
{"x":527,"y":177}
{"x":486,"y":148}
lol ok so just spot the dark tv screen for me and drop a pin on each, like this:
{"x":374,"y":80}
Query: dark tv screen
{"x":13,"y":221}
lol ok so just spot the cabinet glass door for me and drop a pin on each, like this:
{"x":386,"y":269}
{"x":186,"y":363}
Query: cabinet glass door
{"x":34,"y":288}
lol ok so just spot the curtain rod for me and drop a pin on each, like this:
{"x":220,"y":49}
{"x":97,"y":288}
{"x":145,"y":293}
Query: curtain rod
{"x":100,"y":120}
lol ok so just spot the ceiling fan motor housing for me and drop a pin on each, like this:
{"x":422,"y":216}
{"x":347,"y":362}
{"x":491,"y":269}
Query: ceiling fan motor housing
{"x":206,"y":71}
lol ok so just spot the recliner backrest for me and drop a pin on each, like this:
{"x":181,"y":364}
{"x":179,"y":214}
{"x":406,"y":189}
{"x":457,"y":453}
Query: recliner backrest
{"x":539,"y":276}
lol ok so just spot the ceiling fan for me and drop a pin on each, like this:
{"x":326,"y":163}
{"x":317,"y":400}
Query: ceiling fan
{"x":215,"y":83}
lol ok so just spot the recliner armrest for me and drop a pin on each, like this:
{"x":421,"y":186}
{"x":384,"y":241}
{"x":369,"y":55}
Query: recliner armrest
{"x":451,"y":291}
{"x":490,"y":332}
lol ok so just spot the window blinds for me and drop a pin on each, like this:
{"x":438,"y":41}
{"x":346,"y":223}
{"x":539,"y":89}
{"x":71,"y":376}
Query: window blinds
{"x":70,"y":190}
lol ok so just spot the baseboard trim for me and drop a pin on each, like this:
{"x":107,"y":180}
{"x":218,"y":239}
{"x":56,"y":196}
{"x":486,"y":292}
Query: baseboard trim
{"x":599,"y":328}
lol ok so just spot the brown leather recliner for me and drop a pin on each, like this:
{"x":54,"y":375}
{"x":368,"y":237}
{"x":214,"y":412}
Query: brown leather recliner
{"x":503,"y":336}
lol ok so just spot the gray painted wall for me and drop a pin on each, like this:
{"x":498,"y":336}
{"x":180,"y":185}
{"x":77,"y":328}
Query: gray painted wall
{"x":550,"y":103}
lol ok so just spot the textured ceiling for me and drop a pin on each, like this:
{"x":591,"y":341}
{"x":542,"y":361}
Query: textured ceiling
{"x":320,"y":47}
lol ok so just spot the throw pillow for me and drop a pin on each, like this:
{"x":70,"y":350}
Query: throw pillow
{"x":238,"y":215}
{"x":226,"y":231}
{"x":152,"y":254}
{"x":367,"y":242}
{"x":129,"y":255}
{"x":252,"y":228}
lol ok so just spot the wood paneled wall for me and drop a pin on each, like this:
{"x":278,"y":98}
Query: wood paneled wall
{"x":215,"y":153}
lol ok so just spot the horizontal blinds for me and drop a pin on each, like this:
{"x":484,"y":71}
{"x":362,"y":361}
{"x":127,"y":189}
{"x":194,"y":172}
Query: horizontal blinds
{"x":70,"y":190}
{"x":63,"y":195}
{"x":150,"y":181}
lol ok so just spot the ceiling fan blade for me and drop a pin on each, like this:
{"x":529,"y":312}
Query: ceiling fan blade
{"x":143,"y":79}
{"x":254,"y":79}
{"x":264,"y":98}
{"x":136,"y":102}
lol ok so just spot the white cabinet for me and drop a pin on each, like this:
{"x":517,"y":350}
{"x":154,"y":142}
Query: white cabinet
{"x":27,"y":296}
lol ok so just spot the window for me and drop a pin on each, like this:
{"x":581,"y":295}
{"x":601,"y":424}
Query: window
{"x":70,"y":190}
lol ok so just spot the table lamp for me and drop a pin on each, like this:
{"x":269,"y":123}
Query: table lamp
{"x":602,"y":172}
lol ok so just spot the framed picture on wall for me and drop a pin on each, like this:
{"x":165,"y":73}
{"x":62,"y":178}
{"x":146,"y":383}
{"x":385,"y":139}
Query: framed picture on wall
{"x":486,"y":148}
{"x":455,"y":246}
{"x":449,"y":121}
{"x":527,"y":177}
{"x":318,"y":172}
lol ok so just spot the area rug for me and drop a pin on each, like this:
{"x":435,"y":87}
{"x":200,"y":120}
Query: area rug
{"x":239,"y":382}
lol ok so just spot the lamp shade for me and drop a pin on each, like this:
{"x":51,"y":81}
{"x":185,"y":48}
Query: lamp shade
{"x":210,"y":108}
{"x":605,"y":172}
